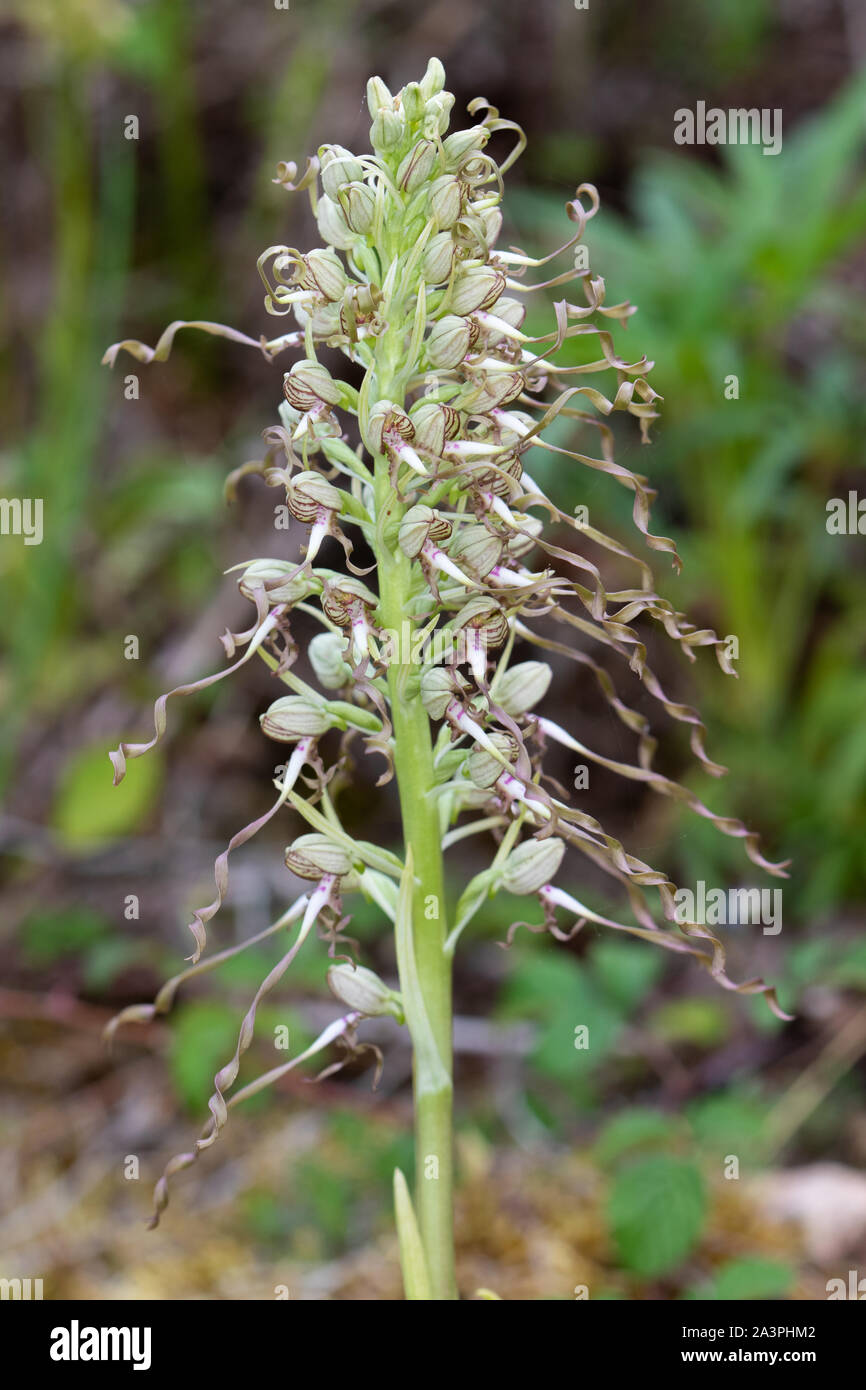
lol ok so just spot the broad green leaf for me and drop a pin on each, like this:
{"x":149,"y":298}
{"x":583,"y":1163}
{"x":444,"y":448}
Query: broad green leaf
{"x":705,"y":1022}
{"x":53,"y":935}
{"x":730,"y":1122}
{"x":559,"y":991}
{"x":656,"y":1212}
{"x":632,"y":1130}
{"x":203,"y":1039}
{"x":753,"y":1277}
{"x":89,"y":812}
{"x":626,"y":969}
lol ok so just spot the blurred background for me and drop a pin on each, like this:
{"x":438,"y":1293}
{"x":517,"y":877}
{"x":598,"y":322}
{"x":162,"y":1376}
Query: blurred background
{"x":609,"y":1168}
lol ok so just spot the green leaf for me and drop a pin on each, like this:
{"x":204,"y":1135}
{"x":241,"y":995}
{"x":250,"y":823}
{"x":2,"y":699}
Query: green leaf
{"x":753,"y":1278}
{"x":732,"y":1121}
{"x":703,"y":1022}
{"x":202,"y":1040}
{"x":633,"y":1129}
{"x":108,"y":958}
{"x":473,"y":896}
{"x":656,"y":1211}
{"x":50,"y":936}
{"x":849,"y":970}
{"x":413,"y":1262}
{"x":626,"y":969}
{"x":429,"y":1068}
{"x":559,"y":991}
{"x":89,"y":812}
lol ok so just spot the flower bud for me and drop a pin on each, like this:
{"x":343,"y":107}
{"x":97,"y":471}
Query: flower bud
{"x":532,"y":865}
{"x":419,"y":525}
{"x":324,"y":274}
{"x":434,"y":79}
{"x":358,"y":203}
{"x":294,"y":717}
{"x":327,"y":660}
{"x":438,"y":689}
{"x":326,"y":320}
{"x":386,"y":417}
{"x":483,"y":615}
{"x":446,"y":201}
{"x":449,"y":341}
{"x":413,"y":101}
{"x":449,"y":763}
{"x":312,"y":856}
{"x":492,"y":220}
{"x":417,"y":165}
{"x":492,"y":474}
{"x":477,"y":288}
{"x":511,"y":311}
{"x":458,"y":145}
{"x":270,"y":575}
{"x":438,"y":258}
{"x":309,"y":492}
{"x":433,"y":424}
{"x":437,"y":113}
{"x":333,"y":225}
{"x":338,"y":166}
{"x":521,"y":544}
{"x":476,"y":549}
{"x":489,"y":391}
{"x":523,"y":686}
{"x":344,"y":595}
{"x":378,"y":96}
{"x":309,"y":384}
{"x":483,"y":768}
{"x":387,"y":129}
{"x":361,"y":989}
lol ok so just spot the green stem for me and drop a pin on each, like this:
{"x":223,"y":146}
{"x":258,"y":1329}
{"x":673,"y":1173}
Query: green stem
{"x":413,"y":760}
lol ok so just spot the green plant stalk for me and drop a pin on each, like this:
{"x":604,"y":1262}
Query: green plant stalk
{"x":413,"y":761}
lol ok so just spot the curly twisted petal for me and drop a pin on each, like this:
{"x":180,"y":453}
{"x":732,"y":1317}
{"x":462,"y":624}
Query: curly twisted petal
{"x":684,"y":714}
{"x":381,"y":742}
{"x":227,"y":1075}
{"x":160,"y":353}
{"x":643,"y":493}
{"x":342,"y":1028}
{"x":120,"y":755}
{"x":301,"y":754}
{"x":493,"y":121}
{"x":577,"y":213}
{"x":144,"y":1013}
{"x":728,"y":825}
{"x":232,"y":640}
{"x":517,"y":787}
{"x":713,"y":960}
{"x":536,"y":498}
{"x":287,"y":172}
{"x":341,"y":1031}
{"x":644,"y":600}
{"x":589,"y":837}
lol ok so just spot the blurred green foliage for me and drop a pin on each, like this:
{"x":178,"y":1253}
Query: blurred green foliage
{"x":741,"y":270}
{"x":89,"y":812}
{"x":656,"y":1211}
